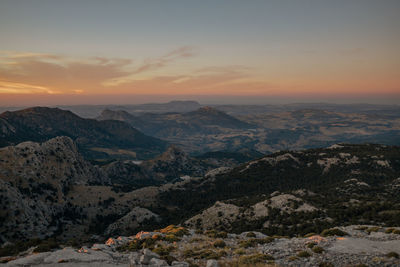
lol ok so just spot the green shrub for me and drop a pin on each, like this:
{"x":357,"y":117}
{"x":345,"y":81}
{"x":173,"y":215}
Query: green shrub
{"x":333,"y":232}
{"x":303,"y":254}
{"x":392,"y":254}
{"x":219,"y":243}
{"x":293,"y":258}
{"x":317,"y":249}
{"x":255,"y":258}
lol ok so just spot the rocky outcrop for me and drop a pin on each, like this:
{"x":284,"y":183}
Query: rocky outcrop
{"x":131,"y":221}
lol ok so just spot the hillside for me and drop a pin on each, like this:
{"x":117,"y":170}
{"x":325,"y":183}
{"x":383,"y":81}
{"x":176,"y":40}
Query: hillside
{"x":339,"y":185}
{"x":94,"y":139}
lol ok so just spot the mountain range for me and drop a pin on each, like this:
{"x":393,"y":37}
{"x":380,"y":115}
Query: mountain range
{"x":95,"y":139}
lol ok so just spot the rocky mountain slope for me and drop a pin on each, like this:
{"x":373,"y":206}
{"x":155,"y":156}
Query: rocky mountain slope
{"x":95,"y":139}
{"x":34,"y":181}
{"x":318,"y":188}
{"x":50,"y":191}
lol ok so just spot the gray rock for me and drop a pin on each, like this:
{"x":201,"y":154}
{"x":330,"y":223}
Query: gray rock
{"x":147,"y":255}
{"x":212,"y":263}
{"x":154,"y":262}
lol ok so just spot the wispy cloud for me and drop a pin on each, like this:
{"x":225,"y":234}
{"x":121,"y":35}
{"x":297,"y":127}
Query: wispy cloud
{"x":51,"y":74}
{"x":30,"y":72}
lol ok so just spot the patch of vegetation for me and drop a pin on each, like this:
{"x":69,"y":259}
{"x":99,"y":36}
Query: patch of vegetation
{"x":18,"y":247}
{"x":392,"y":254}
{"x":47,"y":245}
{"x":255,"y":258}
{"x":317,"y":249}
{"x":250,"y":234}
{"x":373,"y":229}
{"x":333,"y":232}
{"x":240,"y":251}
{"x":309,"y":234}
{"x":171,"y":238}
{"x":311,"y":244}
{"x":216,"y":234}
{"x":138,"y":244}
{"x":389,"y":230}
{"x":219,"y":243}
{"x":203,"y":254}
{"x":303,"y":254}
{"x":325,"y":264}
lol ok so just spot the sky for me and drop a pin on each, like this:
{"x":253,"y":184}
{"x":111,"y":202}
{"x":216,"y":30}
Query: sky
{"x":108,"y":52}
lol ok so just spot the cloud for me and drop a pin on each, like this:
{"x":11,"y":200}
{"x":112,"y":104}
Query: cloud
{"x":53,"y":73}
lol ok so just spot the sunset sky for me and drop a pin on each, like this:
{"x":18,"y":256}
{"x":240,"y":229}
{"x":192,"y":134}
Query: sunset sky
{"x":100,"y":52}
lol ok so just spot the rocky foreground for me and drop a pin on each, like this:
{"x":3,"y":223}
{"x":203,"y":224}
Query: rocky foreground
{"x":178,"y":246}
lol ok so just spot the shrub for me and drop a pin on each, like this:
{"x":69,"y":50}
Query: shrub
{"x":317,"y":249}
{"x":389,"y":230}
{"x":219,"y":243}
{"x":15,"y":249}
{"x":311,"y":244}
{"x":163,"y":251}
{"x":215,"y":234}
{"x":325,"y":264}
{"x":171,"y":238}
{"x":309,"y":234}
{"x":240,"y":251}
{"x":303,"y":254}
{"x":203,"y":254}
{"x":293,"y":258}
{"x":255,"y":258}
{"x":250,"y":234}
{"x":373,"y":229}
{"x":333,"y":232}
{"x":199,"y":231}
{"x":46,"y":246}
{"x":392,"y":255}
{"x":397,"y":232}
